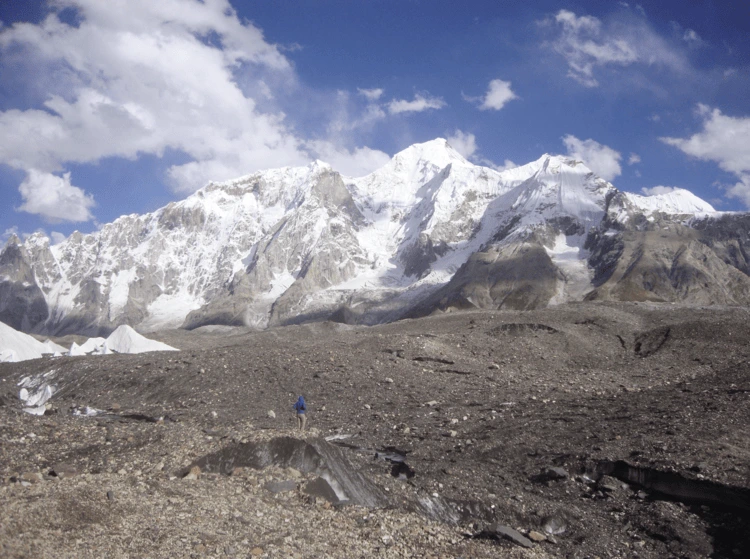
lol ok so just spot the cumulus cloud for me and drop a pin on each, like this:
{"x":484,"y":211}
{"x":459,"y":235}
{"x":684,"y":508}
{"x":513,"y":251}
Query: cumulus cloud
{"x":348,"y":115}
{"x":724,"y":140}
{"x":418,"y":104}
{"x":654,"y":190}
{"x":371,"y":94}
{"x":741,"y":190}
{"x":586,"y":43}
{"x":691,"y":36}
{"x":634,"y":158}
{"x":57,"y":237}
{"x":352,"y":163}
{"x":142,"y":77}
{"x":601,"y":159}
{"x":54,"y":198}
{"x":8,"y":233}
{"x":498,"y":94}
{"x":507,"y":164}
{"x":464,"y":143}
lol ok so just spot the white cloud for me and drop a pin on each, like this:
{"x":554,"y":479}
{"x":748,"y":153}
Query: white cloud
{"x":142,"y":78}
{"x":352,"y":163}
{"x":498,"y":94}
{"x":349,"y":116}
{"x":688,"y":35}
{"x":724,"y":140}
{"x":57,"y":237}
{"x":654,"y":190}
{"x":8,"y":233}
{"x":601,"y":159}
{"x":691,"y":36}
{"x":507,"y":164}
{"x":634,"y":158}
{"x":371,"y":94}
{"x":741,"y":190}
{"x":54,"y":198}
{"x":464,"y":143}
{"x":418,"y":104}
{"x":587,"y":43}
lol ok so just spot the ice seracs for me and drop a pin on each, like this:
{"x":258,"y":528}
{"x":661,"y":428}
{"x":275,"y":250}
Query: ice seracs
{"x":17,"y":346}
{"x":126,"y":340}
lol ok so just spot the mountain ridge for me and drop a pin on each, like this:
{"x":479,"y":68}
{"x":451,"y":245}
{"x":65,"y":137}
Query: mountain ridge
{"x":427,"y":231}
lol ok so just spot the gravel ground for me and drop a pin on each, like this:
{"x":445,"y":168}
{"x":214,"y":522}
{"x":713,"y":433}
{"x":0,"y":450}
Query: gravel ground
{"x":594,"y":430}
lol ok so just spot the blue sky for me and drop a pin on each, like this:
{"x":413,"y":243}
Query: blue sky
{"x":116,"y":107}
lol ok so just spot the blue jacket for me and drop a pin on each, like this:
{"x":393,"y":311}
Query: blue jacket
{"x":300,"y":406}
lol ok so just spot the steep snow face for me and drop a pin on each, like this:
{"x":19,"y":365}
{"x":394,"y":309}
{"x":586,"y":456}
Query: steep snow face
{"x":424,"y":220}
{"x":678,"y":201}
{"x":427,"y":198}
{"x":397,"y":184}
{"x":555,"y":199}
{"x":561,"y":187}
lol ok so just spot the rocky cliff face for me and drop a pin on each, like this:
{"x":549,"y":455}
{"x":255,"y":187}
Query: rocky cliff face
{"x":22,"y":303}
{"x":428,"y":231}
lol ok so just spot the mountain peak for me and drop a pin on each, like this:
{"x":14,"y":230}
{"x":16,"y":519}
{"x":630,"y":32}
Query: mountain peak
{"x":318,"y":165}
{"x":13,"y":240}
{"x":675,"y":201}
{"x":438,"y":152}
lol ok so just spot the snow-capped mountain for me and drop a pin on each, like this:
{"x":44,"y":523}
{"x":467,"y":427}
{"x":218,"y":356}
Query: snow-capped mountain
{"x":427,"y":231}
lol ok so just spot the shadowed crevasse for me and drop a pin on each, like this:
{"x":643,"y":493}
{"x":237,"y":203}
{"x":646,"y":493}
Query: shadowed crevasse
{"x":678,"y":487}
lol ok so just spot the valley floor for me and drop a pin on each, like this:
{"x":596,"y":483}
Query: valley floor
{"x":609,"y":430}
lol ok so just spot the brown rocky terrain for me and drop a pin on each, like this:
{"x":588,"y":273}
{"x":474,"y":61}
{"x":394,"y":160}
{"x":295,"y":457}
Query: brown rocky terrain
{"x":586,"y":430}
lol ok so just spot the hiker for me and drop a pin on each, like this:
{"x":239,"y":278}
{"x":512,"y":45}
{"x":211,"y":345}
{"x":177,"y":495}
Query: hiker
{"x":301,"y":408}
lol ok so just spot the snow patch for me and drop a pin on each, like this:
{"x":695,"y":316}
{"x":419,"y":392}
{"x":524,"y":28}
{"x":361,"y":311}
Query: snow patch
{"x":279,"y":284}
{"x":36,"y":391}
{"x":571,"y":259}
{"x":170,"y":310}
{"x":87,"y":411}
{"x":119,"y":291}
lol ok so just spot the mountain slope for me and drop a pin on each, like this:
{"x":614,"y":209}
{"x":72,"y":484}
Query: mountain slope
{"x":427,"y":231}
